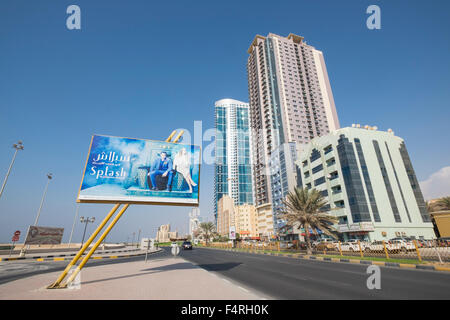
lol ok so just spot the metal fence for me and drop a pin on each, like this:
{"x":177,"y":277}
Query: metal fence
{"x":416,"y":250}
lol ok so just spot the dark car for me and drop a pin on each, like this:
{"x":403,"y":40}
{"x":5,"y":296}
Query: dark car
{"x":187,"y":245}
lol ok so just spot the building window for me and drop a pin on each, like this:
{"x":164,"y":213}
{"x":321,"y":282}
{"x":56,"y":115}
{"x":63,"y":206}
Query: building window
{"x":317,"y":168}
{"x":365,"y":172}
{"x":414,"y":184}
{"x":352,"y":180}
{"x":398,"y":182}
{"x":387,"y":183}
{"x":319,"y":181}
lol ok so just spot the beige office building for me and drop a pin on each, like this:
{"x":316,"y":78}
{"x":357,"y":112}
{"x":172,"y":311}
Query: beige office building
{"x":291,"y":102}
{"x":265,"y":221}
{"x":225,"y":215}
{"x":246,"y":221}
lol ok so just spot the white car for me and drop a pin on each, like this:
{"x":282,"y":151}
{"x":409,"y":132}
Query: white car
{"x":392,"y":246}
{"x":353,"y":246}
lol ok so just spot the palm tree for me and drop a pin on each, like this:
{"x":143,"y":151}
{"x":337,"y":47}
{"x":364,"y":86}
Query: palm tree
{"x":443,"y":203}
{"x":306,"y":209}
{"x":207,"y":229}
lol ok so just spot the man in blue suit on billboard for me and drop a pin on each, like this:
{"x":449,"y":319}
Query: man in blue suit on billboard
{"x":161,"y":167}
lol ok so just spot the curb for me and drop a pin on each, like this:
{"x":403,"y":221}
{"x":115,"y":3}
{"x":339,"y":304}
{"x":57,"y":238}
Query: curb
{"x":354,"y":261}
{"x":64,"y":258}
{"x":56,"y":256}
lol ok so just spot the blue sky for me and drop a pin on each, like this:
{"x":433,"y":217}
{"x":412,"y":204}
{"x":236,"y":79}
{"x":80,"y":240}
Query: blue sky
{"x":142,"y":68}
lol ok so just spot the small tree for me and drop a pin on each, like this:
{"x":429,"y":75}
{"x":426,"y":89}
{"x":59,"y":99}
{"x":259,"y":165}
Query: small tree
{"x":443,"y":204}
{"x":207,"y":230}
{"x":305,"y":208}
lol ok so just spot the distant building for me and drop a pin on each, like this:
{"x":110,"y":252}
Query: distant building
{"x":243,"y":217}
{"x":194,"y":221}
{"x":233,"y":171}
{"x":246,"y":219}
{"x":164,"y":234}
{"x":369,"y":181}
{"x":265,"y":221}
{"x":225,"y":215}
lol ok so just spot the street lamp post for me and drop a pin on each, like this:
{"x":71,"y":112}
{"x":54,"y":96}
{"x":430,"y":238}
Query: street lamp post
{"x":139,"y":236}
{"x":86,"y":221}
{"x":18,"y":146}
{"x":73,"y":225}
{"x":49,"y":176}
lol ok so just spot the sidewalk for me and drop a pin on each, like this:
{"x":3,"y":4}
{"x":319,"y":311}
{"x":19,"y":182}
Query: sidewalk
{"x":171,"y":278}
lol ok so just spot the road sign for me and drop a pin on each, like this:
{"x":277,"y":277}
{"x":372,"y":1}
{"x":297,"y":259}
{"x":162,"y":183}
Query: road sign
{"x":17,"y":233}
{"x":15,"y":238}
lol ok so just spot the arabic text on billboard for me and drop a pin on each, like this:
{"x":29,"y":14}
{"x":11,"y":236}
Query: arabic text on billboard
{"x":141,"y":171}
{"x":44,"y":235}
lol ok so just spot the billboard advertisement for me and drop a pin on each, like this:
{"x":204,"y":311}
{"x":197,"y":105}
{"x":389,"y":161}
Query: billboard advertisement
{"x":44,"y":235}
{"x":232,"y":235}
{"x":140,"y":171}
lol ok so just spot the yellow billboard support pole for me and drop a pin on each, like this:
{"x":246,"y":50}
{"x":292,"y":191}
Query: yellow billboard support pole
{"x":360,"y":249}
{"x":385,"y":250}
{"x":99,"y":241}
{"x":171,"y":136}
{"x":177,"y":137}
{"x":83,"y":249}
{"x":417,"y":250}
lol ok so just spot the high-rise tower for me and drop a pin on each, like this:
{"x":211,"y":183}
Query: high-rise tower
{"x":291,"y":102}
{"x":233,"y":172}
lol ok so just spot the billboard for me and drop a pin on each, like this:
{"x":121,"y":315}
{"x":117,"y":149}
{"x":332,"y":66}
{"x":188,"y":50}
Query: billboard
{"x":232,"y":235}
{"x":140,"y":171}
{"x":44,"y":235}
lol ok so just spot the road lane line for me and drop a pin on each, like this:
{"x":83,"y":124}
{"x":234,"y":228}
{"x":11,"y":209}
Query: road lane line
{"x":243,"y":289}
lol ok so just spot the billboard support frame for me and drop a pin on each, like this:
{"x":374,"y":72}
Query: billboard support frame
{"x":57,"y":284}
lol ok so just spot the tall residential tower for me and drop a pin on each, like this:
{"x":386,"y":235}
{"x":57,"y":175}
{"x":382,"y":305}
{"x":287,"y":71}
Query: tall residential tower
{"x":233,"y":172}
{"x":290,"y":103}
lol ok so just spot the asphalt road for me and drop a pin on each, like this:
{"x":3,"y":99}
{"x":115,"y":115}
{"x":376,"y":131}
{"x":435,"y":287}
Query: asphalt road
{"x":290,"y":278}
{"x":14,"y":270}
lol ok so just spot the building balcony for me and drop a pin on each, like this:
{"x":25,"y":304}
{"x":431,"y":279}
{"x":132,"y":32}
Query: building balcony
{"x":332,"y":168}
{"x":337,"y":196}
{"x":335,"y":182}
{"x":338,"y":212}
{"x":329,"y":155}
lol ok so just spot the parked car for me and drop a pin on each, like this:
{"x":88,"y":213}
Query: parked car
{"x":349,"y":246}
{"x":187,"y":245}
{"x":443,"y":242}
{"x":326,"y":244}
{"x":392,"y":246}
{"x":286,"y":245}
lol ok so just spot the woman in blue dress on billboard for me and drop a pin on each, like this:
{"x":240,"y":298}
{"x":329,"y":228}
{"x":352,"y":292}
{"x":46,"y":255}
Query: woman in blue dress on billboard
{"x":182,"y":164}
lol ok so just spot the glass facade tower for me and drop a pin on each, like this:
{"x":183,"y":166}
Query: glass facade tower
{"x":233,"y":171}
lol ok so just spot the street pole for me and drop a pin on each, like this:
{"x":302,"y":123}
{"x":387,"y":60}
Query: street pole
{"x":132,"y":243}
{"x":139,"y":236}
{"x":73,"y":225}
{"x":18,"y":146}
{"x":86,"y":221}
{"x":49,"y":176}
{"x":84,"y":233}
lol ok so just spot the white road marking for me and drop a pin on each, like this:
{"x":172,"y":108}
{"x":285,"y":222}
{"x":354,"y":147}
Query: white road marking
{"x":243,"y":289}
